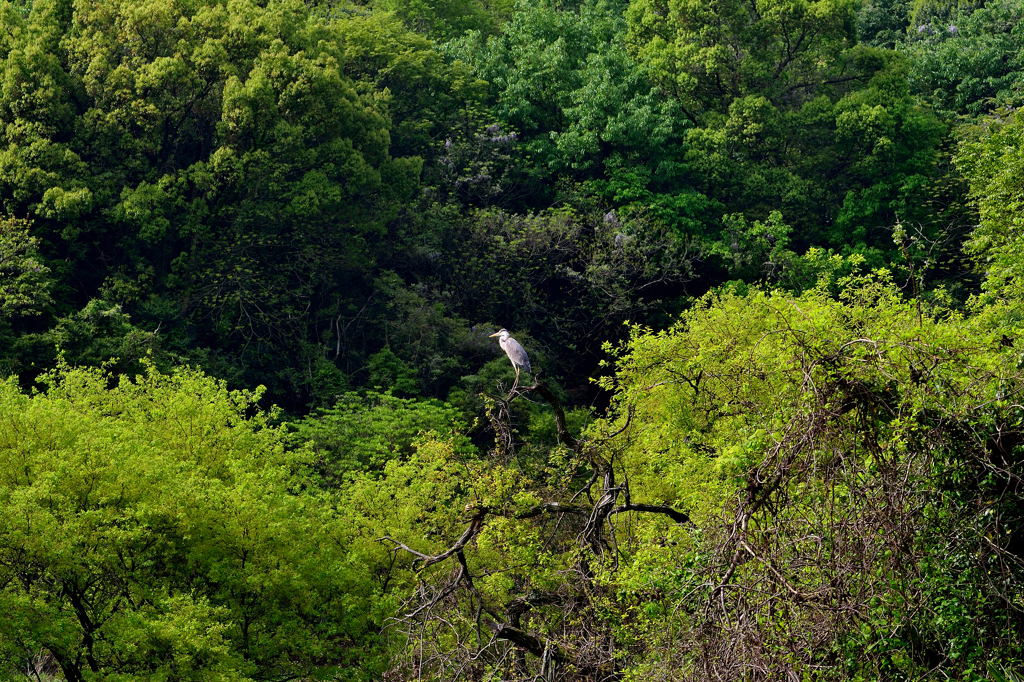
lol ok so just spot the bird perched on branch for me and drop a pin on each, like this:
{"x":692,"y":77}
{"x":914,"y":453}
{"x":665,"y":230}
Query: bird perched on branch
{"x":514,"y":351}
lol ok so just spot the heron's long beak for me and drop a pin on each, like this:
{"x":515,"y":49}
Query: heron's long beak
{"x":493,"y":335}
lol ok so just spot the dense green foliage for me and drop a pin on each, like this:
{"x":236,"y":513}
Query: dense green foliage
{"x":765,"y":256}
{"x":858,"y":441}
{"x":990,"y":157}
{"x":841,"y":475}
{"x":363,"y":433}
{"x":153,"y":531}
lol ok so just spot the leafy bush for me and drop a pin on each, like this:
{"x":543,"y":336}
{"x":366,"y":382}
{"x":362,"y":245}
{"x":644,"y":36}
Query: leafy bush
{"x":157,"y":529}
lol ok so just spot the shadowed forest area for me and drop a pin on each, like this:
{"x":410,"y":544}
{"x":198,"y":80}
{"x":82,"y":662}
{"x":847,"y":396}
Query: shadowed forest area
{"x":766,"y":257}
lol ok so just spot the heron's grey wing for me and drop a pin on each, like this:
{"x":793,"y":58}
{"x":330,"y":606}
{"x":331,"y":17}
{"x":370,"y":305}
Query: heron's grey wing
{"x":517,"y":355}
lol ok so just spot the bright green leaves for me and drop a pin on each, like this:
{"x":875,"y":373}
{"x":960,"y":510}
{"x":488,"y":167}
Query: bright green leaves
{"x":813,"y":423}
{"x":825,"y":450}
{"x":694,"y":388}
{"x":155,"y":530}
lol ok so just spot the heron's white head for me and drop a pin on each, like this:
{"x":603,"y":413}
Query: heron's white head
{"x":503,"y":334}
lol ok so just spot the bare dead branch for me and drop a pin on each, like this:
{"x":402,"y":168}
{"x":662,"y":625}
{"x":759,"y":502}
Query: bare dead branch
{"x":560,"y":423}
{"x":475,"y":523}
{"x":677,"y":516}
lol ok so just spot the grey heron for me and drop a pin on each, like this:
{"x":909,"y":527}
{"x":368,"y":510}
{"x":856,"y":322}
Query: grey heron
{"x":514,"y":351}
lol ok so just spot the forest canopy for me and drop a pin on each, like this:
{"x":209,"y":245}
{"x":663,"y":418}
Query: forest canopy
{"x":764,"y":257}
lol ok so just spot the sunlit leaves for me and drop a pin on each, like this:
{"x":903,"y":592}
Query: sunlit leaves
{"x":154,"y":529}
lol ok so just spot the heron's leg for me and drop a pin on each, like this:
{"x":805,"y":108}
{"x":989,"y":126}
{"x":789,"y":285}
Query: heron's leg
{"x":516,"y":384}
